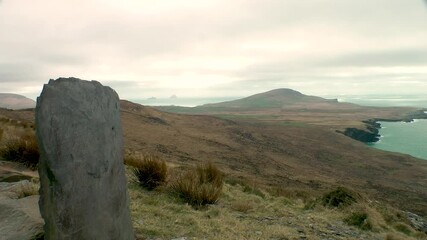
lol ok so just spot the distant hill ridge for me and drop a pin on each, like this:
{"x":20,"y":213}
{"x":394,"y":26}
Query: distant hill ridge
{"x":282,"y":98}
{"x":15,"y":101}
{"x":276,"y":98}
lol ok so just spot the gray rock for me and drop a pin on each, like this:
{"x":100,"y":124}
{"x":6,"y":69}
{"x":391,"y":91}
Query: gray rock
{"x":83,"y":192}
{"x":14,"y":172}
{"x":13,"y":177}
{"x":20,"y":219}
{"x":417,"y":222}
{"x":15,"y":190}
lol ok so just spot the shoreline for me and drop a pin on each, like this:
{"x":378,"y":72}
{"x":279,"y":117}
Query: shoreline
{"x":372,"y":126}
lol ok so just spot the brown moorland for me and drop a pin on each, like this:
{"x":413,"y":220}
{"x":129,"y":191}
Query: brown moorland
{"x":297,"y":156}
{"x":287,"y":106}
{"x":294,"y":153}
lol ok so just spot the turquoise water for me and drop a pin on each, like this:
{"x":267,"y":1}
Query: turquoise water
{"x":410,"y":138}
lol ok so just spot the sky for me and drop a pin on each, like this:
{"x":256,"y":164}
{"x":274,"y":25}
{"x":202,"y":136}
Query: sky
{"x":216,"y":48}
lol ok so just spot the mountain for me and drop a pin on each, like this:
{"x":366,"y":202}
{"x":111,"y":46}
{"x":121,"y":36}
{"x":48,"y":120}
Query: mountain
{"x":287,"y":106}
{"x":278,"y":99}
{"x":15,"y":101}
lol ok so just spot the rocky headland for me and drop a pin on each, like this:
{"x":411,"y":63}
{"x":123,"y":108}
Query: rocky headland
{"x":370,"y":133}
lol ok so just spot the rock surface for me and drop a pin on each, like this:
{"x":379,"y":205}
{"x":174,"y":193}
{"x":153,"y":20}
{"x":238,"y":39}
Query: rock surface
{"x":14,"y":172}
{"x":20,"y":219}
{"x":83,"y":192}
{"x":417,"y":222}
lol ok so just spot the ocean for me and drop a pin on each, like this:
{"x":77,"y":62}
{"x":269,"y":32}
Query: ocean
{"x":386,"y":100}
{"x":410,"y":138}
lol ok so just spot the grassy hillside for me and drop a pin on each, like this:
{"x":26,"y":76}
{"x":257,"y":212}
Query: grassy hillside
{"x":276,"y":179}
{"x":284,"y":106}
{"x":245,"y":214}
{"x":292,"y":155}
{"x":295,"y":156}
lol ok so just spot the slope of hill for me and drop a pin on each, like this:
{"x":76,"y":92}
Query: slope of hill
{"x":278,"y":98}
{"x":294,"y":156}
{"x":304,"y":157}
{"x":286,"y":106}
{"x":15,"y":101}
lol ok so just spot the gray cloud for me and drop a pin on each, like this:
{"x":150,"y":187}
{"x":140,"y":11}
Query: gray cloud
{"x":399,"y":57}
{"x":212,"y":47}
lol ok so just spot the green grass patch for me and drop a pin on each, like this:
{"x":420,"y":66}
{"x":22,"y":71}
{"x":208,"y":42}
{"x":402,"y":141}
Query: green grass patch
{"x":403,"y":228}
{"x":360,"y":220}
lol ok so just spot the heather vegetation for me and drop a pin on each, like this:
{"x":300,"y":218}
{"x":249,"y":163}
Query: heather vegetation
{"x":359,"y":219}
{"x":19,"y":144}
{"x":340,"y":197}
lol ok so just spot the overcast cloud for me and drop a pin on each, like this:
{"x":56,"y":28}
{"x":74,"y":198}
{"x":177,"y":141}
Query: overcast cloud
{"x":205,"y":48}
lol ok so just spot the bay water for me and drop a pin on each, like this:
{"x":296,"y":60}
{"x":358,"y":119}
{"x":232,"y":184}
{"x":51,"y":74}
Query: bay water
{"x":409,"y":138}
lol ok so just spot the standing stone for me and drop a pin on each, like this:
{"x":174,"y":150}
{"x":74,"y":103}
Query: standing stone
{"x":83,"y":193}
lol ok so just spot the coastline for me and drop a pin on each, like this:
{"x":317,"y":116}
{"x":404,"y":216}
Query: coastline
{"x":372,"y":126}
{"x":403,"y":137}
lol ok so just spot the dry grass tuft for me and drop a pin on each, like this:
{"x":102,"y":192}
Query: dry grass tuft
{"x":395,"y":236}
{"x":150,"y":171}
{"x":199,"y":186}
{"x":403,"y":228}
{"x":21,"y":148}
